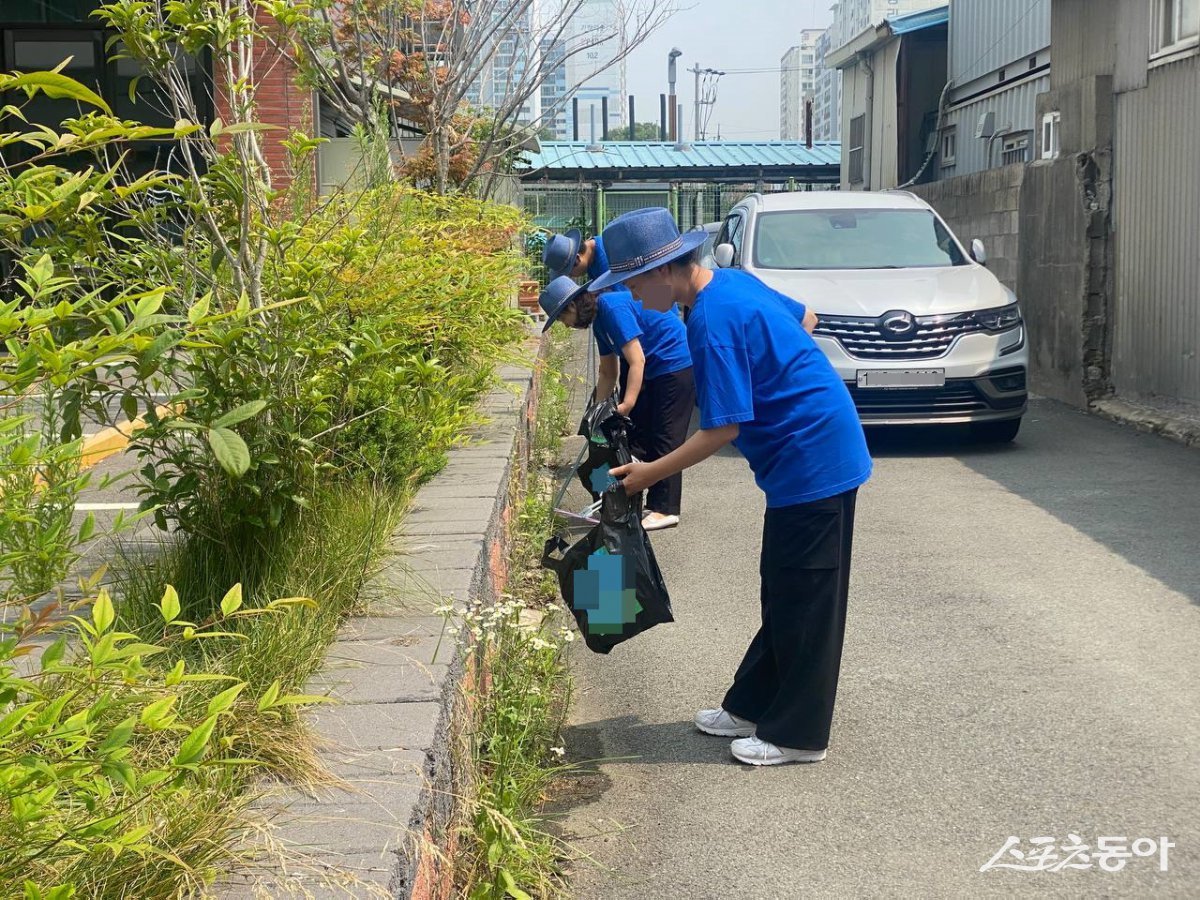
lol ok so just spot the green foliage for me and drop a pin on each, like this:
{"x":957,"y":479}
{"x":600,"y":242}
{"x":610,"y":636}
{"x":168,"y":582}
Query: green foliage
{"x":391,"y":309}
{"x":70,"y":330}
{"x":643,"y":131}
{"x":278,"y":354}
{"x":521,"y":708}
{"x":522,"y":693}
{"x":96,"y":744}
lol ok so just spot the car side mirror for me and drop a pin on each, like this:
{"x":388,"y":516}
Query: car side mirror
{"x":723,"y":254}
{"x":978,"y":252}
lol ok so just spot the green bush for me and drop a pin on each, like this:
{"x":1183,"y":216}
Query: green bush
{"x":292,"y":395}
{"x":101,"y":750}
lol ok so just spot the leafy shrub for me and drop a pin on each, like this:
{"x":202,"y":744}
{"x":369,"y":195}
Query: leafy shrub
{"x":99,"y":745}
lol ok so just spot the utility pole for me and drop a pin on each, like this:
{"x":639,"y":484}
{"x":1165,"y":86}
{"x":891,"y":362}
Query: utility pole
{"x":704,"y":97}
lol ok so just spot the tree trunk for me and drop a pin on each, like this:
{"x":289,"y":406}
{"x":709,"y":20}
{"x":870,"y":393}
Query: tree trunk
{"x":442,"y":154}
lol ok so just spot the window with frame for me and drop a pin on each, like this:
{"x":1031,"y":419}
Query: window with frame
{"x":1050,"y":140}
{"x":1176,"y":26}
{"x":949,"y":145}
{"x":858,"y":134}
{"x":1016,"y":149}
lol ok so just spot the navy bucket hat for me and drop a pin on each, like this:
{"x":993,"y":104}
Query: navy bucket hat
{"x":558,"y":293}
{"x":640,"y":241}
{"x":561,"y":252}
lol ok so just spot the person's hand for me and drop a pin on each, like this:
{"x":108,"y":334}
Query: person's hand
{"x":625,"y":407}
{"x":635,"y":477}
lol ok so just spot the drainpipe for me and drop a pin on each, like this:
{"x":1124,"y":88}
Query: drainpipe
{"x":1000,"y":133}
{"x":937,"y":139}
{"x":869,"y":125}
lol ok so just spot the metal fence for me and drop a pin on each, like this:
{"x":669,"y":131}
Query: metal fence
{"x":590,"y":207}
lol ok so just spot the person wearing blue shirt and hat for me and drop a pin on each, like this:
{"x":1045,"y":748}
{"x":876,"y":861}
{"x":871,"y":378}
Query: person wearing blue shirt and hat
{"x":644,"y":351}
{"x":658,"y":393}
{"x":764,"y":385}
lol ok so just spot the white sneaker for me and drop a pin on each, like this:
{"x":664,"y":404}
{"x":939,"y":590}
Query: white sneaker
{"x":756,"y":752}
{"x":723,"y":724}
{"x":657,"y":521}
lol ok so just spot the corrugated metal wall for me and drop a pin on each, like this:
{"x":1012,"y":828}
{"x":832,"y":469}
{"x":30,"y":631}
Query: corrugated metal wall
{"x":987,"y":34}
{"x":1084,"y":52}
{"x":1156,"y":327}
{"x":1016,"y":107}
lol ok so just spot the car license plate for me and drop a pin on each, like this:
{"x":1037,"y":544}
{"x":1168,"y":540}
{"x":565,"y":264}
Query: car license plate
{"x":901,"y":378}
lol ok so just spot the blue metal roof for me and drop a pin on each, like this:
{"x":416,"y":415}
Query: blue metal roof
{"x":647,"y":156}
{"x":925,"y":18}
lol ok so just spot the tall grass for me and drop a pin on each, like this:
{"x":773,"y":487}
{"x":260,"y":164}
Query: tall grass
{"x":325,"y":555}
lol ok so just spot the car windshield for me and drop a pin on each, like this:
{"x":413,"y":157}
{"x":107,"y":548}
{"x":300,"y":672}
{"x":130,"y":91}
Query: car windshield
{"x":854,"y":239}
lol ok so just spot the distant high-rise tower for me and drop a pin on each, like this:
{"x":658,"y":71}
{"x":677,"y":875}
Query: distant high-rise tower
{"x":797,"y":83}
{"x":596,"y":18}
{"x":517,"y":52}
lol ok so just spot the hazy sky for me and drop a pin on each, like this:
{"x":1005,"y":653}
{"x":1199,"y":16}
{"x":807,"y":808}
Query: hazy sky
{"x":726,"y":35}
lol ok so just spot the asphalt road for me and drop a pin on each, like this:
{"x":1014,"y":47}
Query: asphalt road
{"x":1021,"y":660}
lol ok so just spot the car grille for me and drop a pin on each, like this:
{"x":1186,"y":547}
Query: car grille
{"x":956,"y":398}
{"x":864,"y":338}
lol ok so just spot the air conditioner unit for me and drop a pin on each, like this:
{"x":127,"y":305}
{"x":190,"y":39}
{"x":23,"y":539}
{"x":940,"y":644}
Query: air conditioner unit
{"x":987,"y":125}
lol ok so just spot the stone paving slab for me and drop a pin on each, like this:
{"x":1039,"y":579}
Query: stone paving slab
{"x":385,"y":653}
{"x":400,"y":629}
{"x":380,"y":683}
{"x":394,"y":673}
{"x":400,"y":727}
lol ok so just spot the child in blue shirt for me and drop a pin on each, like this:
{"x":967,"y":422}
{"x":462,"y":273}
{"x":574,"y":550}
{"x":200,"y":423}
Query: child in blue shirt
{"x":657,"y":391}
{"x":764,"y":385}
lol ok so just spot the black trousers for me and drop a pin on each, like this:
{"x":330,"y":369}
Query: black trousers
{"x":787,"y":681}
{"x":660,"y":424}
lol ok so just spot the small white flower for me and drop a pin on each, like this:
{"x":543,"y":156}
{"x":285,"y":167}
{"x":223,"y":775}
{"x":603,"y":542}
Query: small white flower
{"x":568,"y":635}
{"x":560,"y":752}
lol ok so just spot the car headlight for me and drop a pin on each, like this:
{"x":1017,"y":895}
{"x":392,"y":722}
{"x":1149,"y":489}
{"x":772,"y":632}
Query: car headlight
{"x":1000,"y":319}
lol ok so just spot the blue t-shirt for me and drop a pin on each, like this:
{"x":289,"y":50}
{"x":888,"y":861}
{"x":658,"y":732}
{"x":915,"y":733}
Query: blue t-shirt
{"x":620,"y":318}
{"x":758,"y":368}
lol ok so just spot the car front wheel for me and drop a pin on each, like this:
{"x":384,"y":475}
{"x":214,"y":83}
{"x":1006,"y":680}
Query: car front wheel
{"x":996,"y":432}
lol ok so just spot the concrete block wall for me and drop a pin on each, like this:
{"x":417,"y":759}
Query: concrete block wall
{"x":985,"y":205}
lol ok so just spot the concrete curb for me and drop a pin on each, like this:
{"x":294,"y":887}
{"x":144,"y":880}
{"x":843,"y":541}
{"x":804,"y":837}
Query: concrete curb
{"x":111,"y":441}
{"x":1150,"y":420}
{"x":397,"y":679}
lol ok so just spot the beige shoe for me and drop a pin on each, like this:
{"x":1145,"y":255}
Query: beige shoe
{"x":653,"y":521}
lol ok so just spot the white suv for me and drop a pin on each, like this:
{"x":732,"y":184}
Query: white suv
{"x":918,"y":328}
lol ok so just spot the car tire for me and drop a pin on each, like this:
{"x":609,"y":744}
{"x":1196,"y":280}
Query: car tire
{"x":996,"y":432}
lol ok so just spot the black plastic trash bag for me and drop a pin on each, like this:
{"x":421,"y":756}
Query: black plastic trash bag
{"x":610,"y":579}
{"x":607,"y":433}
{"x":597,"y":412}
